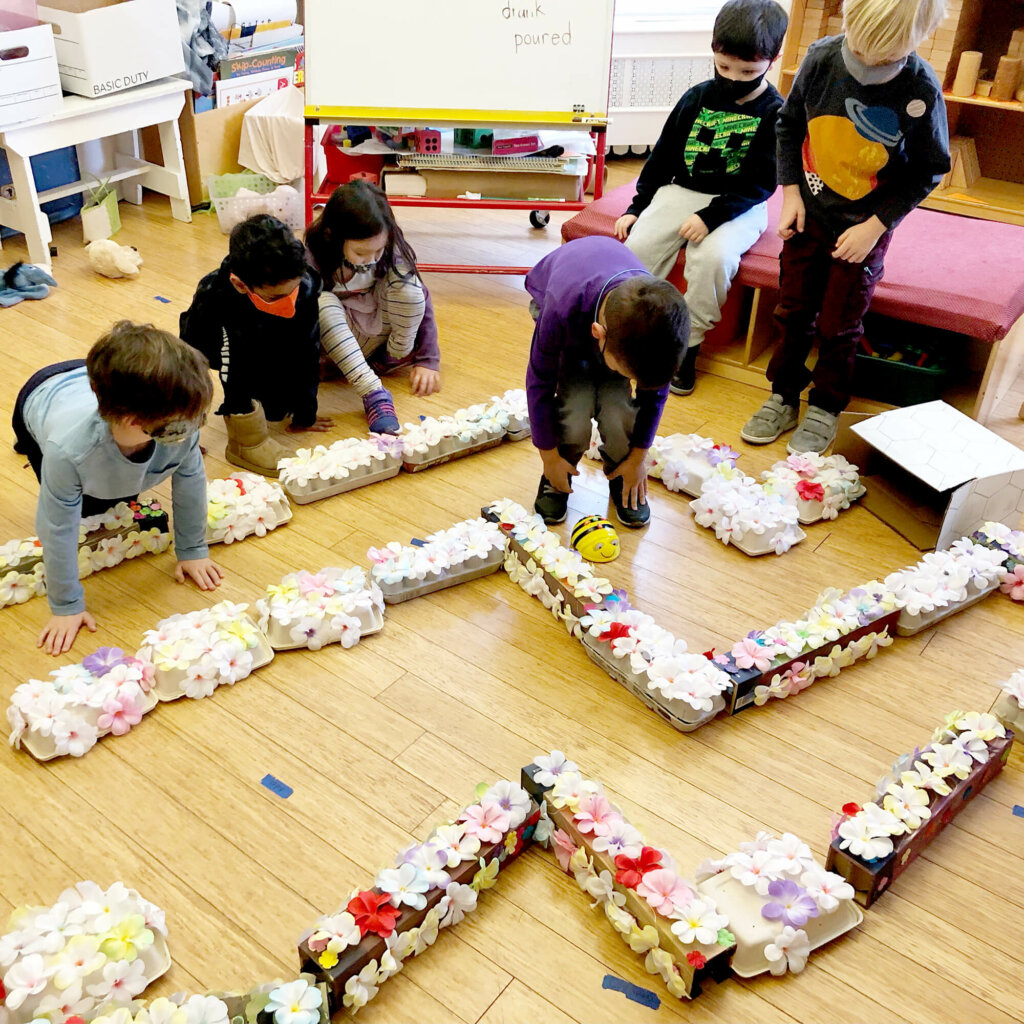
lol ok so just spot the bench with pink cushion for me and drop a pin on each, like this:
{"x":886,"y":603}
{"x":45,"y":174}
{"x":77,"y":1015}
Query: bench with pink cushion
{"x":955,"y":273}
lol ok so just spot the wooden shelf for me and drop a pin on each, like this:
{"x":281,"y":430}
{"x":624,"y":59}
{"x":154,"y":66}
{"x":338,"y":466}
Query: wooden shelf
{"x":984,"y":101}
{"x":987,"y":198}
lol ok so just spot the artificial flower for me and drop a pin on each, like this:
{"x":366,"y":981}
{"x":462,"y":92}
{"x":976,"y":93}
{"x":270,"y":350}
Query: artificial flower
{"x":665,"y":891}
{"x":295,"y":1002}
{"x":789,"y":854}
{"x":790,"y":950}
{"x":862,"y":840}
{"x":487,"y":822}
{"x":127,"y":939}
{"x":426,"y":934}
{"x":390,"y":965}
{"x":789,"y":904}
{"x":462,"y":900}
{"x":602,"y":887}
{"x":1012,"y":583}
{"x":569,"y":789}
{"x":405,"y":885}
{"x":642,"y":939}
{"x":455,"y":845}
{"x":981,"y":725}
{"x":26,"y":977}
{"x":752,"y":868}
{"x":119,"y":714}
{"x":594,"y":809}
{"x":564,"y":848}
{"x":696,"y":959}
{"x":908,"y":803}
{"x":63,"y":1005}
{"x":698,"y":922}
{"x":616,"y":837}
{"x":373,"y":912}
{"x":826,"y":888}
{"x":122,"y":981}
{"x":102,"y":660}
{"x":205,"y":1010}
{"x":631,"y":870}
{"x":510,"y":798}
{"x":361,"y":987}
{"x":487,"y":876}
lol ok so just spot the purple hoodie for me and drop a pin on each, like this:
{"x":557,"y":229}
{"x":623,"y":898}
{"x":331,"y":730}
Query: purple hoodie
{"x":568,"y":285}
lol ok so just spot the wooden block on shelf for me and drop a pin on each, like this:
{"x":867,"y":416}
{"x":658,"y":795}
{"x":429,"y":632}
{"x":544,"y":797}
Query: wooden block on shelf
{"x":983,"y":87}
{"x":1007,"y":76}
{"x":1016,"y":47}
{"x":964,"y":170}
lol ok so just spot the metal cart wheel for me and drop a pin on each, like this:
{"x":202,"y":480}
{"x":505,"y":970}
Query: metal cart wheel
{"x":539,"y":218}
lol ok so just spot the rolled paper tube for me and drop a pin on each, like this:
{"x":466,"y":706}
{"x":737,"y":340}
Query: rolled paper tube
{"x":983,"y":88}
{"x":1006,"y":78}
{"x":967,"y":73}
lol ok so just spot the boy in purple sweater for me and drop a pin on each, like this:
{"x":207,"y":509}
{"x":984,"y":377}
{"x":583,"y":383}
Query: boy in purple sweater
{"x":608,"y":338}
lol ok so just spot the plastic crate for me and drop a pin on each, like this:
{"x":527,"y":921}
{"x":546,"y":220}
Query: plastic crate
{"x":281,"y":201}
{"x":342,"y":164}
{"x":897,"y":383}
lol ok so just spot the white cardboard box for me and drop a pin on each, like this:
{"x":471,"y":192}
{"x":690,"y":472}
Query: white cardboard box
{"x":106,"y":46}
{"x":29,"y":79}
{"x":932,"y":473}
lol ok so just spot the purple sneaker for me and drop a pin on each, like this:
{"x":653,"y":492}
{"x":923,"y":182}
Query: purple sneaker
{"x":380,"y":412}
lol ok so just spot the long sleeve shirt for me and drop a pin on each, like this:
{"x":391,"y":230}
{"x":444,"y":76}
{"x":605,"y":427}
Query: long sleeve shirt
{"x":861,"y":150}
{"x":714,"y":145}
{"x":568,"y":286}
{"x":80,"y":457}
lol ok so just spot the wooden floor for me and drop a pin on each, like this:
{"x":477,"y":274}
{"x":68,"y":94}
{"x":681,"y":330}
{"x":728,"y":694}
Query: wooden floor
{"x":384,"y":740}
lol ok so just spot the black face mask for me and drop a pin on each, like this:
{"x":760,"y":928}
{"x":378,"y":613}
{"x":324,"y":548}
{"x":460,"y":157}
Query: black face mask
{"x":734,"y":90}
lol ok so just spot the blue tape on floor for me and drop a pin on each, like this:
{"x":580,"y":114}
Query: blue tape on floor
{"x":640,"y":995}
{"x":277,"y":786}
{"x":1018,"y":810}
{"x":416,"y":542}
{"x":160,"y":298}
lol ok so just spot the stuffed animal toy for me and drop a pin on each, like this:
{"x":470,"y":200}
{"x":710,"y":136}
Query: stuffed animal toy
{"x":24,"y":281}
{"x":108,"y":258}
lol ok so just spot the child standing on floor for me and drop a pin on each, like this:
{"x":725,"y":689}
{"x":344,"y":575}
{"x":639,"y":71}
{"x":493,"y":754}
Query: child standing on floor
{"x":374,"y":305}
{"x":103,"y":430}
{"x":862,"y":140}
{"x":707,"y":181}
{"x":608,"y":338}
{"x":255,"y":319}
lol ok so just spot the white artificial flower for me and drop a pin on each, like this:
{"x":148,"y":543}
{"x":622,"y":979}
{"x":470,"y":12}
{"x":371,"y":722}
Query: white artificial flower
{"x":295,"y":1002}
{"x":699,"y":922}
{"x":462,"y":900}
{"x":205,"y":1010}
{"x":790,"y":949}
{"x":511,"y":798}
{"x":25,"y":977}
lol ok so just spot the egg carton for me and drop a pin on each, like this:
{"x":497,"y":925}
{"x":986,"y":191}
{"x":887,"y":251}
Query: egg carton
{"x":449,"y":448}
{"x":283,"y":513}
{"x":909,"y":623}
{"x":360,"y":476}
{"x":471,"y":569}
{"x":371,"y":620}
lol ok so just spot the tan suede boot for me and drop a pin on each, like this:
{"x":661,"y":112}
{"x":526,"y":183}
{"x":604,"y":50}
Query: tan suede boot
{"x":250,"y":445}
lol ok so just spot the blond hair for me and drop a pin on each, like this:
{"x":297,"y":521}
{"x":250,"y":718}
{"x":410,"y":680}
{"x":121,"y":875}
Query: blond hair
{"x":881,"y":31}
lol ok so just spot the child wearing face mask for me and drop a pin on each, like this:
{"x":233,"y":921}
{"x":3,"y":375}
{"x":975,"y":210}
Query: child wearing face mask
{"x":375,"y":314}
{"x":255,"y":319}
{"x":862,"y":140}
{"x":103,"y":430}
{"x":707,"y":181}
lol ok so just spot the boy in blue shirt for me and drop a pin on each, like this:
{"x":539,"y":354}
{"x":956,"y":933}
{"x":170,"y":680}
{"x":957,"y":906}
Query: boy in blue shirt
{"x":101,"y":431}
{"x":707,"y":181}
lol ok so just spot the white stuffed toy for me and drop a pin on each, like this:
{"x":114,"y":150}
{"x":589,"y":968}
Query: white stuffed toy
{"x":108,"y":258}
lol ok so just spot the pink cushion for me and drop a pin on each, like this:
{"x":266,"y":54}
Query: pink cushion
{"x":955,"y":273}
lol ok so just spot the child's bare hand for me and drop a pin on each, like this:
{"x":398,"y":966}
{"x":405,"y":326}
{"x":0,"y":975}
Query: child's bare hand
{"x":206,"y":575}
{"x":856,"y":242}
{"x":424,"y":381}
{"x":623,"y":224}
{"x":693,"y":229}
{"x":61,"y":631}
{"x":320,"y":425}
{"x":791,"y":219}
{"x":558,"y":471}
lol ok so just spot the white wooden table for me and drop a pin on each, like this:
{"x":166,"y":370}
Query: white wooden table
{"x":105,"y":134}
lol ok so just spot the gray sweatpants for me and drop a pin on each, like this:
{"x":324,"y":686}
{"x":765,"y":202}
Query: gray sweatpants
{"x":710,"y":265}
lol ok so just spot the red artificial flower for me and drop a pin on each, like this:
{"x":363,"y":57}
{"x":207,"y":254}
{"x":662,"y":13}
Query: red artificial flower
{"x":696,"y":959}
{"x":238,"y":484}
{"x":373,"y":913}
{"x":74,"y":1019}
{"x":632,"y":869}
{"x":808,"y":490}
{"x":851,"y":809}
{"x":710,"y":655}
{"x":3,"y":993}
{"x":614,"y":631}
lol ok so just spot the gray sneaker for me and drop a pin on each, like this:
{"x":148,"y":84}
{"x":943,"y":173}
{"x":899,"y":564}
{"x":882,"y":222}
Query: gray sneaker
{"x":816,"y":432}
{"x":770,"y":422}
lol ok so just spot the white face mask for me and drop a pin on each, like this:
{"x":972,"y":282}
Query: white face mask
{"x":871,"y":74}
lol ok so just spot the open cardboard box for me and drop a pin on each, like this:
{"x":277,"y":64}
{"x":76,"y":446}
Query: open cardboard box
{"x":933,"y":474}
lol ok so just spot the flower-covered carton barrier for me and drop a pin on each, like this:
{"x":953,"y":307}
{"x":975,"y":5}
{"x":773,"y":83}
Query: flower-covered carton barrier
{"x":685,"y":462}
{"x":874,"y":844}
{"x":1001,"y":537}
{"x":744,"y":514}
{"x":944,"y":582}
{"x":682,"y":936}
{"x":438,"y":439}
{"x":92,"y":949}
{"x":685,"y":689}
{"x":510,"y":410}
{"x":243,"y":505}
{"x":313,"y":609}
{"x":781,"y":903}
{"x":433,"y":885}
{"x":1009,"y":705}
{"x":326,"y":470}
{"x":821,"y":486}
{"x":195,"y":652}
{"x":466,"y":551}
{"x":125,"y":531}
{"x":108,"y":692}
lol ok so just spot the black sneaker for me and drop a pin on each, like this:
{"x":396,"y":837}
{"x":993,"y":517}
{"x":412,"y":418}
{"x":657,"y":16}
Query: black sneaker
{"x":551,"y":505}
{"x":634,"y":518}
{"x":685,"y":380}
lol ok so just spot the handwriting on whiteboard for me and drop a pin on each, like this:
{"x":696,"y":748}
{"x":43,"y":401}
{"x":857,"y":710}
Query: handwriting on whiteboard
{"x":530,"y":17}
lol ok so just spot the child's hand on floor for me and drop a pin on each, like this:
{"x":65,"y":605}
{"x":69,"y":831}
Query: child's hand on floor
{"x":693,"y":229}
{"x":320,"y":425}
{"x":424,"y":381}
{"x":206,"y":575}
{"x":61,"y":631}
{"x":856,"y":242}
{"x":623,"y":224}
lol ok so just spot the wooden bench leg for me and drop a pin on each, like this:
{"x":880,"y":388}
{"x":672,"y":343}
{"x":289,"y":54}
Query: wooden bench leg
{"x":1004,"y":364}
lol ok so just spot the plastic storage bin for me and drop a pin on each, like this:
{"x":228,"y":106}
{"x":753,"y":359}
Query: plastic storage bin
{"x":281,"y":201}
{"x":58,"y":167}
{"x":896,"y":383}
{"x":343,"y":165}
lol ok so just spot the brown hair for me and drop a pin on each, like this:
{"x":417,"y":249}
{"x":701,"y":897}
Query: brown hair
{"x":648,"y":327}
{"x":139,"y":370}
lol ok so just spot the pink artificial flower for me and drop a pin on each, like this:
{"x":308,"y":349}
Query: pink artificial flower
{"x":594,"y":809}
{"x":665,"y":891}
{"x":802,"y":465}
{"x":488,"y":822}
{"x":1013,"y":583}
{"x":810,"y":490}
{"x":748,"y":653}
{"x":308,"y":582}
{"x":796,"y":678}
{"x":564,"y":848}
{"x":119,"y":714}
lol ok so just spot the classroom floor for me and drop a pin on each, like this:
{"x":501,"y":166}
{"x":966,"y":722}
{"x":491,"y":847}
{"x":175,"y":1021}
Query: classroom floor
{"x":381,"y":742}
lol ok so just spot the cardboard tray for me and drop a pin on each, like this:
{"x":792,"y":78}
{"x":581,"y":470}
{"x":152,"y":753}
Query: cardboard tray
{"x":908,"y":624}
{"x":754,"y":544}
{"x":1008,"y":711}
{"x":371,"y":621}
{"x":438,"y":455}
{"x":315,"y":490}
{"x":810,"y":512}
{"x":284,"y":516}
{"x":396,"y":593}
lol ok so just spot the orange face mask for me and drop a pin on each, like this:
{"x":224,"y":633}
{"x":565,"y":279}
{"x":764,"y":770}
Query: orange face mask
{"x":284,"y":306}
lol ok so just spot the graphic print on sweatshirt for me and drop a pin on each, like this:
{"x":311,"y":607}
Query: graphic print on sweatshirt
{"x":718,"y":142}
{"x":846,"y":153}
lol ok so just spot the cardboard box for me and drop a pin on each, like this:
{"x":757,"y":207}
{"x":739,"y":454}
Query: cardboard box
{"x":106,"y":46}
{"x":933,"y":474}
{"x":29,"y":79}
{"x":443,"y":183}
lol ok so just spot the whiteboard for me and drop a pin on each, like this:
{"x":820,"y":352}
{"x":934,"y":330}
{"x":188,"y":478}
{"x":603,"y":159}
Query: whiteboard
{"x":487,"y":61}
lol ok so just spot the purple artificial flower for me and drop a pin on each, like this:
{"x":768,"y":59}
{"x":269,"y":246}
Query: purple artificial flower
{"x":103,"y":660}
{"x":790,"y":904}
{"x":722,"y":453}
{"x":617,"y":600}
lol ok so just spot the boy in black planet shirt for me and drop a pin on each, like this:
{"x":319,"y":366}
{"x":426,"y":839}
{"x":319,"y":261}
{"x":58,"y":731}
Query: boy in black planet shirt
{"x":707,"y":181}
